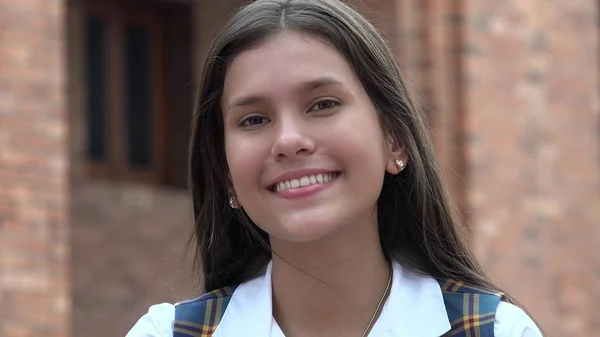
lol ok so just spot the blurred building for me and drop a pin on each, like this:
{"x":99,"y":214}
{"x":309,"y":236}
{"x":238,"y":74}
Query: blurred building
{"x":96,"y":98}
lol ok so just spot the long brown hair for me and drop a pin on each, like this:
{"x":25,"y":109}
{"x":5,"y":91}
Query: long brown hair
{"x":418,"y":226}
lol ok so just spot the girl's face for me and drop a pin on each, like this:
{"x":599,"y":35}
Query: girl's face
{"x":303,"y":142}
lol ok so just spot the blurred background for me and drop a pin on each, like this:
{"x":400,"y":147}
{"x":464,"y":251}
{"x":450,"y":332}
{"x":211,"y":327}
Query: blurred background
{"x":96,"y":98}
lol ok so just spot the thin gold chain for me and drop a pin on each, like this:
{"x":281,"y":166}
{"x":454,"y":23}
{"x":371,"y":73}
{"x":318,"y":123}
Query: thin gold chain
{"x":381,"y":300}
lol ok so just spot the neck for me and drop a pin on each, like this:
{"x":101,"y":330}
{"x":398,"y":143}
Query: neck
{"x":329,"y":287}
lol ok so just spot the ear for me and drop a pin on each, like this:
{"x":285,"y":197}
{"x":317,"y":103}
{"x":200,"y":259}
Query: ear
{"x":395,"y":150}
{"x":234,"y":202}
{"x":229,"y":184}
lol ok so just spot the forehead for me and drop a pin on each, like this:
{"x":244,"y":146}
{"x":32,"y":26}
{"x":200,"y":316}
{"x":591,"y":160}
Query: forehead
{"x":283,"y":61}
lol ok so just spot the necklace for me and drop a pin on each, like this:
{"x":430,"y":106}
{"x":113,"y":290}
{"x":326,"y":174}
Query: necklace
{"x":381,"y":300}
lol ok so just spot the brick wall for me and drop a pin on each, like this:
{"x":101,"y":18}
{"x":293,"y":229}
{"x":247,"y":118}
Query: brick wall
{"x":34,"y":192}
{"x":533,"y":151}
{"x":128,"y":253}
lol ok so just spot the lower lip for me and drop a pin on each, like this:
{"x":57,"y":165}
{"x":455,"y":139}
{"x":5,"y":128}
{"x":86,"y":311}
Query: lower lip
{"x":305,"y":191}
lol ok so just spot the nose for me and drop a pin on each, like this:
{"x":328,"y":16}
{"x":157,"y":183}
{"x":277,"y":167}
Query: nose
{"x":292,"y":140}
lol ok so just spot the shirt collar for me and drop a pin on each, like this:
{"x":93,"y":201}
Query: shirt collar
{"x":415,"y":307}
{"x":249,"y":312}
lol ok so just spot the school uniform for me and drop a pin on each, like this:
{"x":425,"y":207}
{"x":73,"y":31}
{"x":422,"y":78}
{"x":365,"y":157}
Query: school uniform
{"x":417,"y":306}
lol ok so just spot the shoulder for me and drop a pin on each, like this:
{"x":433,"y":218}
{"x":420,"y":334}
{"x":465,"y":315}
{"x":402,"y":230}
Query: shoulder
{"x":202,"y":315}
{"x":168,"y":320}
{"x":512,"y":321}
{"x":157,"y":322}
{"x":471,"y":309}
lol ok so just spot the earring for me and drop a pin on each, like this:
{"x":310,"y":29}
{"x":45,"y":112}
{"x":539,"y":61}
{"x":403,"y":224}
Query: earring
{"x":233,"y":203}
{"x":399,"y":164}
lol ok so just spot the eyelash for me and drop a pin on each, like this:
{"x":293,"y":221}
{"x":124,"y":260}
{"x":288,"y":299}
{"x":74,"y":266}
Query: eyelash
{"x":327,"y":100}
{"x":245,"y":121}
{"x":333,"y":103}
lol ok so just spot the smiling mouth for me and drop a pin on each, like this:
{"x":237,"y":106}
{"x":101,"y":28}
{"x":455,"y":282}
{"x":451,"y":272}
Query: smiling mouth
{"x":311,"y":179}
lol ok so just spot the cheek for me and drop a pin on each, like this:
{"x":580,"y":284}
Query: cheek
{"x":244,"y":159}
{"x":360,"y":141}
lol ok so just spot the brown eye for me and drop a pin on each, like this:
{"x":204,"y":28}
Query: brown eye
{"x":325,"y":105}
{"x":254,"y":121}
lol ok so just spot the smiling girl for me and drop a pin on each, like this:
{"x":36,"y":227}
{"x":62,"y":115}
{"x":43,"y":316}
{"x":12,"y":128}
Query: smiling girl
{"x":319,"y":206}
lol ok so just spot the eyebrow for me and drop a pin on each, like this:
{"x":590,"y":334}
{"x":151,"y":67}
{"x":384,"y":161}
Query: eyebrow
{"x":304,"y":87}
{"x":320,"y":82}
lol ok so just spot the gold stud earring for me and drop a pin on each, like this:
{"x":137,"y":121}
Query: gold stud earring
{"x":233,"y":203}
{"x":399,"y":164}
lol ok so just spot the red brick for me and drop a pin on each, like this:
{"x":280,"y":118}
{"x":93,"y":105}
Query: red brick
{"x":33,"y":163}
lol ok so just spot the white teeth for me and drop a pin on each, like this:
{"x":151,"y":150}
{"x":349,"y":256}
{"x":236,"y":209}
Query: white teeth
{"x":304,"y":181}
{"x":295,"y":183}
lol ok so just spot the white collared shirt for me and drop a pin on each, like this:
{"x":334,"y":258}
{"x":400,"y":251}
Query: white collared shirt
{"x":415,"y":307}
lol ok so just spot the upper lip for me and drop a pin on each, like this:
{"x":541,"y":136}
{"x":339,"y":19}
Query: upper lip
{"x":297,"y":174}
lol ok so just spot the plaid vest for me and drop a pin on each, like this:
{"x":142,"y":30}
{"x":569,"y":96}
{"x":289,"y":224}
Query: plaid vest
{"x":471,"y":311}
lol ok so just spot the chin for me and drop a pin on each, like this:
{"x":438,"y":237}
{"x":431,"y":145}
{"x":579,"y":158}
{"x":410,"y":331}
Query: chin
{"x":305,"y":231}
